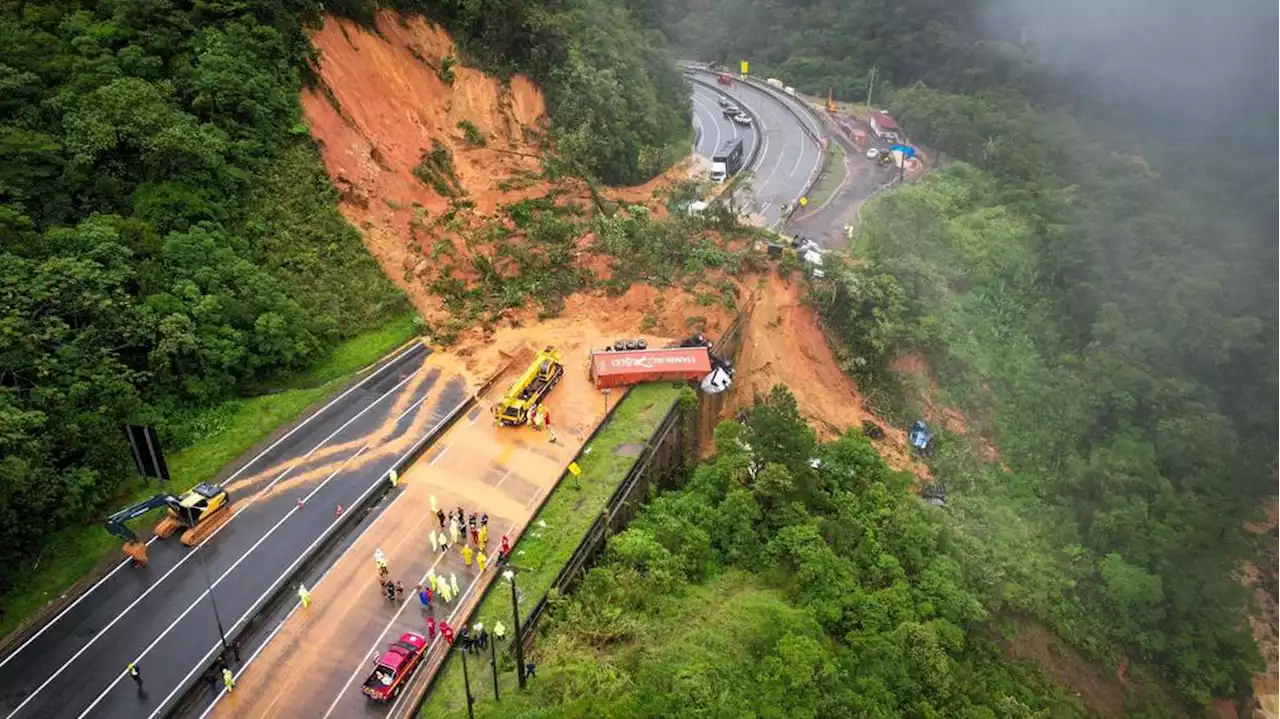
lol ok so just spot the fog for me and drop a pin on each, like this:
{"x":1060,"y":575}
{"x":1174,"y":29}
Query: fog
{"x":1193,"y":67}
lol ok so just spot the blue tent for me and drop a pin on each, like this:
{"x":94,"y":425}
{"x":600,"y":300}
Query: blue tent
{"x":906,"y":150}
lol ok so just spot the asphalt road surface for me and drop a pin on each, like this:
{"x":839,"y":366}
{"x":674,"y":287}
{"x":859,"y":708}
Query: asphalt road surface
{"x":316,"y":660}
{"x":713,"y":127}
{"x":163,"y":617}
{"x":788,"y":155}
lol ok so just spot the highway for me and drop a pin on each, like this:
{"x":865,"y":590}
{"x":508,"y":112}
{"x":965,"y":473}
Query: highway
{"x":316,"y":659}
{"x":285,"y":498}
{"x":789,"y":155}
{"x":713,"y":127}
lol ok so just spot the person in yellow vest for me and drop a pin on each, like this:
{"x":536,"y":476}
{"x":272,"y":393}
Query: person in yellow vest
{"x":466,"y":555}
{"x":228,"y":679}
{"x":481,"y":560}
{"x":304,"y":595}
{"x":484,"y":536}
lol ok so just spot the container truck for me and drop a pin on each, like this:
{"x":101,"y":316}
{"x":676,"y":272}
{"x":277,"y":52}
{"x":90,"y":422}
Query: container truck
{"x":727,"y":160}
{"x":610,"y":368}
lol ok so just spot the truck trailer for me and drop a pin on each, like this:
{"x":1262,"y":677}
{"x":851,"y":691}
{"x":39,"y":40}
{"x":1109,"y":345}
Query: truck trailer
{"x":727,"y":160}
{"x":610,"y":368}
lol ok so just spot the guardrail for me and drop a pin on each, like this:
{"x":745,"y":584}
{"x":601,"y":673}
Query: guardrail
{"x":754,"y":159}
{"x":787,"y":102}
{"x":341,"y":527}
{"x":665,"y":456}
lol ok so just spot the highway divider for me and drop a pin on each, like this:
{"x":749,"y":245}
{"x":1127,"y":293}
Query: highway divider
{"x":668,"y":453}
{"x":189,"y":693}
{"x":754,"y":158}
{"x":786,"y":101}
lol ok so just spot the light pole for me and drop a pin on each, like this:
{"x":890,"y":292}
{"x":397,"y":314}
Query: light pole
{"x":212,"y":600}
{"x":510,"y":576}
{"x":466,"y":685}
{"x":493,"y":659}
{"x":606,"y":401}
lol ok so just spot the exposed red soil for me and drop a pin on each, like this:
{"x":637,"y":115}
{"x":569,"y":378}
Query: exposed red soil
{"x":379,"y":108}
{"x":914,"y":368}
{"x":784,"y":343}
{"x":1103,"y":692}
{"x":1261,"y":578}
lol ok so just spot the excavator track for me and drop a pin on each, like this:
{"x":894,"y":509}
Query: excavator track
{"x":204,"y":529}
{"x":167,"y":526}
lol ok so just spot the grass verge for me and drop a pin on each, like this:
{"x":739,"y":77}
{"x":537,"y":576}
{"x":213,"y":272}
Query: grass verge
{"x":833,"y":174}
{"x":236,"y":426}
{"x":568,"y":513}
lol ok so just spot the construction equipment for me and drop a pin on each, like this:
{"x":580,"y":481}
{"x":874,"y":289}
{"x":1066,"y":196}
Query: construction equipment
{"x":527,"y":392}
{"x":200,"y":511}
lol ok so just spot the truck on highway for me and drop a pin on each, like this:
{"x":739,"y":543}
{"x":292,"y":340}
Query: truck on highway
{"x":727,"y":160}
{"x":392,"y":670}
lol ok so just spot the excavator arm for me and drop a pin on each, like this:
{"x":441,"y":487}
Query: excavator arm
{"x":115,"y":524}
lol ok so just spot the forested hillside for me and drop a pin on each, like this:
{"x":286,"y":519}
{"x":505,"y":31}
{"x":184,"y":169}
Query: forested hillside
{"x":1095,"y":282}
{"x":618,"y":105}
{"x":169,"y":238}
{"x":773,"y":586}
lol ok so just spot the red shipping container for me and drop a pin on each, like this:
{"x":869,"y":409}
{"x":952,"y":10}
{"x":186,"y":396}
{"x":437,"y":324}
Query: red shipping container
{"x":622,"y":369}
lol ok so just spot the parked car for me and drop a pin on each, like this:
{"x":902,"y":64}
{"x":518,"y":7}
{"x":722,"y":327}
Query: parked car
{"x":872,"y":153}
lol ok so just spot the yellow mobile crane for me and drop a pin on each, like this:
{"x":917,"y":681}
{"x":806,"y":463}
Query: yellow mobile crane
{"x":527,"y":392}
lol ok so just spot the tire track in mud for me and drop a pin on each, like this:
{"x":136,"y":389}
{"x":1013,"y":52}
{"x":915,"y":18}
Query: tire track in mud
{"x":321,"y":459}
{"x":424,"y":415}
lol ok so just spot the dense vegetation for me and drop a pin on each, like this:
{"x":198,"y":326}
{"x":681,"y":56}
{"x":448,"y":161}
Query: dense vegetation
{"x":619,"y":108}
{"x":168,"y":238}
{"x":770,"y":587}
{"x":1109,"y":314}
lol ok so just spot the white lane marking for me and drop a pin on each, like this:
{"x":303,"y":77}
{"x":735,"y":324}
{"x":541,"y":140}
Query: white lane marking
{"x":287,"y":572}
{"x":796,"y":166}
{"x":462,"y":600}
{"x":237,"y":473}
{"x":216,"y":582}
{"x":716,"y":146}
{"x":209,"y":655}
{"x":190,"y":554}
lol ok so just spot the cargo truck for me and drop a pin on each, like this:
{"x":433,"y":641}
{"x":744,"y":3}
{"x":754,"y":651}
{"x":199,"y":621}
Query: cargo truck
{"x":727,"y":160}
{"x":611,"y":368}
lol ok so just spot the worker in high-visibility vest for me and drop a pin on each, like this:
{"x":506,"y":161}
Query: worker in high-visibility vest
{"x":304,"y":596}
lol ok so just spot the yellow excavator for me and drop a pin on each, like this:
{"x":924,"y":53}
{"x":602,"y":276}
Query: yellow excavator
{"x":527,"y":392}
{"x":199,"y":512}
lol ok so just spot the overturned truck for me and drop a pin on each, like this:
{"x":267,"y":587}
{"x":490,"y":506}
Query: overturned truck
{"x":632,"y":362}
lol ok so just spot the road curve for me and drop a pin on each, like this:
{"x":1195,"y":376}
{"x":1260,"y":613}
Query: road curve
{"x":712,"y":127}
{"x":162,"y":617}
{"x":789,"y":155}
